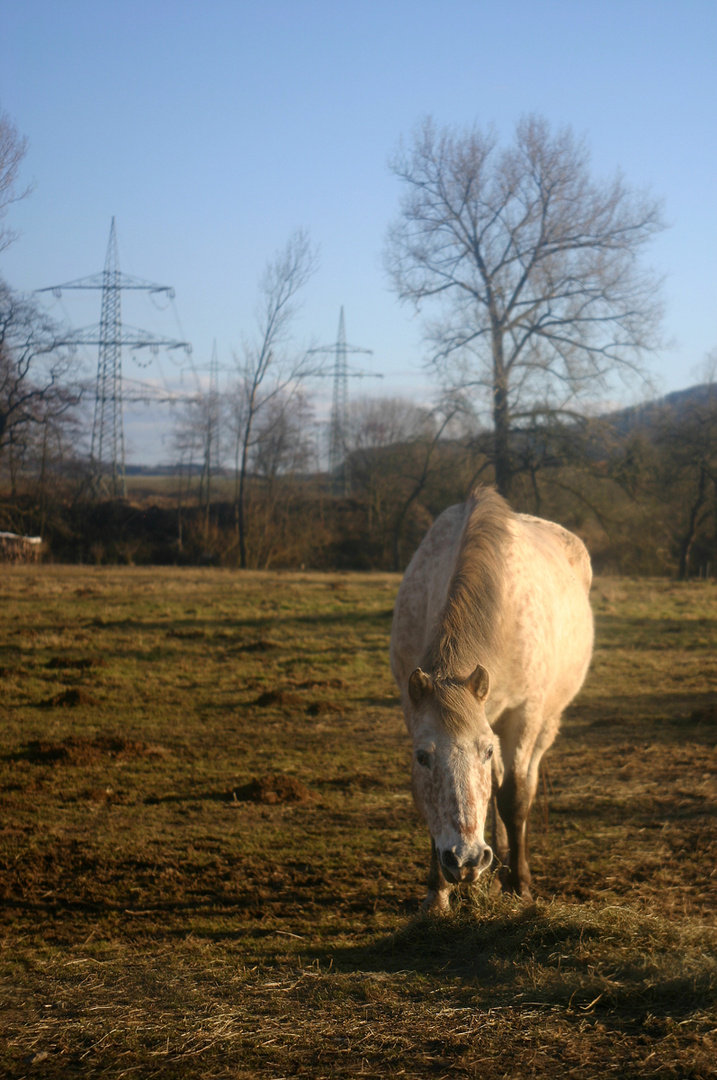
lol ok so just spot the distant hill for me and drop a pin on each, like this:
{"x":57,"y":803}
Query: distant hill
{"x":680,"y":403}
{"x":644,"y":416}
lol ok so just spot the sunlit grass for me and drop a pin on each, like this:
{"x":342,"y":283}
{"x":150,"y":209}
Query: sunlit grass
{"x":155,"y":924}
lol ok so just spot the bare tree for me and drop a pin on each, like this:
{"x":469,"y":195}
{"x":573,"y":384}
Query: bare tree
{"x":269,"y":367}
{"x":536,"y":266}
{"x":285,"y":443}
{"x":283,"y":465}
{"x":395,"y":456}
{"x":13,"y":148}
{"x":196,"y":439}
{"x":36,"y":387}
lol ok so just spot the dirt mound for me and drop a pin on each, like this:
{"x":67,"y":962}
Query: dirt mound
{"x":256,"y":646}
{"x":324,"y":708}
{"x":707,"y":715}
{"x":66,"y":663}
{"x":311,"y":684}
{"x":278,"y":698}
{"x":69,"y":699}
{"x":273,"y":789}
{"x":76,"y":750}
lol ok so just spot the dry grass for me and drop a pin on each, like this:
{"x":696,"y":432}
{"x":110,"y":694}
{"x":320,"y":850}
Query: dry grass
{"x":210,"y":865}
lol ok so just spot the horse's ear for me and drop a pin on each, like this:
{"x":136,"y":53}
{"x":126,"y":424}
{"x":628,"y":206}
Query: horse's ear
{"x":479,"y":683}
{"x":419,"y":685}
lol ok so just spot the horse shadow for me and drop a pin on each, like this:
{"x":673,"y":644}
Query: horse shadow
{"x":531,"y":954}
{"x":461,"y":944}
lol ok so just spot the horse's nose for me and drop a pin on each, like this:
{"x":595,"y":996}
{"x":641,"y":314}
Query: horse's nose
{"x":486,"y":858}
{"x":449,"y":860}
{"x":462,"y":867}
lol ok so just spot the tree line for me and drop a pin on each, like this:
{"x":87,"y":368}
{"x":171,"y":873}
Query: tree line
{"x":529,"y":273}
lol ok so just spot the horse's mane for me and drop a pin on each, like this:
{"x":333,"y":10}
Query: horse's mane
{"x":469,"y":627}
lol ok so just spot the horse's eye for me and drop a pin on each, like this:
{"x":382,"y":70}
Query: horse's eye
{"x":489,"y":753}
{"x":423,"y":759}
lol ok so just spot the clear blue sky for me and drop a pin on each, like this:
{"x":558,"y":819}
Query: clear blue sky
{"x":213,"y":130}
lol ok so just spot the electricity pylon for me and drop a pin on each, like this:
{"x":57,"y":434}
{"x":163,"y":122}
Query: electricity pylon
{"x":338,"y":425}
{"x":107,"y":462}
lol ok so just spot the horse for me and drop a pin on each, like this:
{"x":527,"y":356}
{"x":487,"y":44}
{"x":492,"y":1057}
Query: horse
{"x":491,"y":639}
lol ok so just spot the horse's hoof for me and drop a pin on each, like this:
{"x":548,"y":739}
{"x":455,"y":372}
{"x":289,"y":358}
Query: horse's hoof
{"x":436,"y":903}
{"x":501,"y":882}
{"x":496,"y":885}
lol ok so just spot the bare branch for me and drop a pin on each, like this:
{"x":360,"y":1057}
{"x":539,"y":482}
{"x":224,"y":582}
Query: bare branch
{"x":269,"y":370}
{"x":536,"y":266}
{"x":13,"y":148}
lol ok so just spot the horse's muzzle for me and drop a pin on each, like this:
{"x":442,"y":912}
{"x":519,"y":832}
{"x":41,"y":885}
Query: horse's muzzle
{"x":465,"y":868}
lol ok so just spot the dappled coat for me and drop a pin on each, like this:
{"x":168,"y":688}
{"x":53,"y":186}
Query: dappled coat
{"x":492,"y":637}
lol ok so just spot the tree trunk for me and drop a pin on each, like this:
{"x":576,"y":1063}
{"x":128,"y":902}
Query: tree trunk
{"x":241,"y":498}
{"x":501,"y":419}
{"x":536,"y":491}
{"x":689,"y":538}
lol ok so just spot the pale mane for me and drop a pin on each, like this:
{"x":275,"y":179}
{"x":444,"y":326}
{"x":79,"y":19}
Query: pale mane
{"x":468,"y":628}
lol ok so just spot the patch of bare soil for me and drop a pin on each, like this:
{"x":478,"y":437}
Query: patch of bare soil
{"x":76,"y":750}
{"x":66,"y":663}
{"x":312,"y":684}
{"x":69,"y":699}
{"x":274,"y":789}
{"x":255,"y":646}
{"x":102,"y":795}
{"x":324,"y":708}
{"x":278,"y":698}
{"x":707,"y":715}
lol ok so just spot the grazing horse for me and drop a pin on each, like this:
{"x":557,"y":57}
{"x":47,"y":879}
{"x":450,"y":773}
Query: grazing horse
{"x":492,"y":637}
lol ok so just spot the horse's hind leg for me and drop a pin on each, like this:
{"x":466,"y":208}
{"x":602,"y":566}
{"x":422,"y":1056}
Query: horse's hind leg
{"x":515,"y":797}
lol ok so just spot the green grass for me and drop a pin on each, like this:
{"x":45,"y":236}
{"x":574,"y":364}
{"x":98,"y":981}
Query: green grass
{"x":159,"y":923}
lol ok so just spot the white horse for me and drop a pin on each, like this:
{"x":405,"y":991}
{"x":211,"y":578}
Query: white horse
{"x":492,"y":637}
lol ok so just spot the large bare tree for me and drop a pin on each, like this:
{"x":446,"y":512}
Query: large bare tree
{"x":536,"y":267}
{"x":37,"y":386}
{"x":269,"y":367}
{"x":13,"y":148}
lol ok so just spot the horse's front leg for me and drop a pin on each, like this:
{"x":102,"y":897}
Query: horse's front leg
{"x":437,"y":900}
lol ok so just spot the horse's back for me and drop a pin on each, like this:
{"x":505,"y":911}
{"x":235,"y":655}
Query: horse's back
{"x":545,"y":613}
{"x":570,"y":545}
{"x":549,"y":620}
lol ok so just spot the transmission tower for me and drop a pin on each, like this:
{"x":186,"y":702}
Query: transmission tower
{"x":107,"y":462}
{"x":338,"y":425}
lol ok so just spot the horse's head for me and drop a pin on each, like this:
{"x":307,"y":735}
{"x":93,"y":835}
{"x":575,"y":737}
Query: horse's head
{"x":452,"y":747}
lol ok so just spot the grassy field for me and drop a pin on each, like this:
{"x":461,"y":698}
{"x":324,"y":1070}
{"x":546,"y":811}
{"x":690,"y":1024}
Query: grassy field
{"x":211,"y":866}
